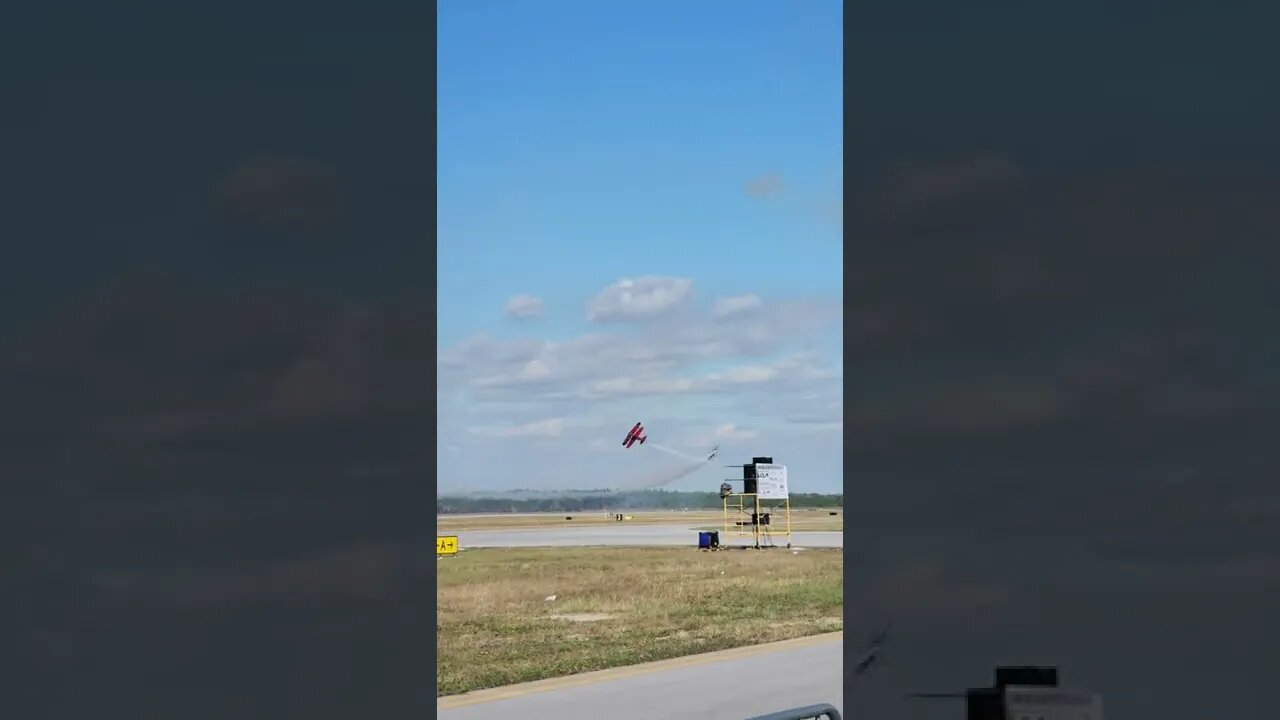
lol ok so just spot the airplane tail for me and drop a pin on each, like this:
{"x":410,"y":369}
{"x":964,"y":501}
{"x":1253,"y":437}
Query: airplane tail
{"x":646,"y":437}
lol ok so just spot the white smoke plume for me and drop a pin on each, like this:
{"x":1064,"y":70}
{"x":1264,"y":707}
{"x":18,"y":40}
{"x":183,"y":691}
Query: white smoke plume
{"x":677,"y":453}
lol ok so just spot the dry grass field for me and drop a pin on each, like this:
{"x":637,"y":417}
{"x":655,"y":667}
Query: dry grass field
{"x":515,"y":615}
{"x":801,"y":519}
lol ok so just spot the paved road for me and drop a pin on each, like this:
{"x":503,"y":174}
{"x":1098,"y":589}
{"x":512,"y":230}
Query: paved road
{"x":622,"y":534}
{"x":729,"y":685}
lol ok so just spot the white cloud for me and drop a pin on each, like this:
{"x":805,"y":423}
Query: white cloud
{"x":756,"y":375}
{"x":786,"y":374}
{"x":747,"y":374}
{"x":588,"y":382}
{"x":726,"y":306}
{"x":524,"y":306}
{"x":630,"y":299}
{"x":551,"y":427}
{"x":766,"y":186}
{"x":816,"y":413}
{"x":730,"y":431}
{"x":651,"y":358}
{"x":640,"y":386}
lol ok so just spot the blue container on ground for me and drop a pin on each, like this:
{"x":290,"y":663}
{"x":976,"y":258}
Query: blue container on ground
{"x":704,"y":541}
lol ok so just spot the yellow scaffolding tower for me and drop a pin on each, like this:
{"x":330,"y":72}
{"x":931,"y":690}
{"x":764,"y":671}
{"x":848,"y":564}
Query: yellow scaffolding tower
{"x":760,"y":522}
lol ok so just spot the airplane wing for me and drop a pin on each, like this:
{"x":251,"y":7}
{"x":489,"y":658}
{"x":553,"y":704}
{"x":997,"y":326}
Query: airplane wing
{"x":633,"y":435}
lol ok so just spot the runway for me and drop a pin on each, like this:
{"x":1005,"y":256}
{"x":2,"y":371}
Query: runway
{"x":727,"y":685}
{"x":622,"y":535}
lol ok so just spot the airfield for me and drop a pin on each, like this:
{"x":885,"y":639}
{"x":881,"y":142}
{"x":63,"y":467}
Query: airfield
{"x":789,"y":663}
{"x":810,"y":528}
{"x":638,"y":535}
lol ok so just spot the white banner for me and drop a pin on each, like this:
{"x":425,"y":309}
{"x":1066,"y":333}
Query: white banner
{"x":771,"y":482}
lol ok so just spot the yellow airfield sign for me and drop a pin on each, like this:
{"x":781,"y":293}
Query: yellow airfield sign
{"x":446,"y":545}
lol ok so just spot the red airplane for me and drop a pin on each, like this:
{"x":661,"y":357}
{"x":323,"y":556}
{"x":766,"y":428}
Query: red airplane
{"x":634,"y":435}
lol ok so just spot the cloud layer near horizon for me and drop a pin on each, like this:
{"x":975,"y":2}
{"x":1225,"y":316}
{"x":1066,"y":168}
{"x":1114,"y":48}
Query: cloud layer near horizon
{"x":736,"y":368}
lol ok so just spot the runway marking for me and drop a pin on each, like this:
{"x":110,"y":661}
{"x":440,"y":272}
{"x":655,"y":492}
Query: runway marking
{"x":510,"y":692}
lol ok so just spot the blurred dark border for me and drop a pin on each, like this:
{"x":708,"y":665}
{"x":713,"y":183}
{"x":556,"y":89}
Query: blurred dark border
{"x":1060,"y":364}
{"x":217,"y":360}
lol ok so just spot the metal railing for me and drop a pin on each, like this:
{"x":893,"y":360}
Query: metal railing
{"x":808,"y":712}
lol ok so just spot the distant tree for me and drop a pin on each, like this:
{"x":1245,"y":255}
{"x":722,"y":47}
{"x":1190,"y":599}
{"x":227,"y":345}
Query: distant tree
{"x":582,"y":501}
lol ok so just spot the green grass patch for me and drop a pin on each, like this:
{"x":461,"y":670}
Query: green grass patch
{"x":620,"y":606}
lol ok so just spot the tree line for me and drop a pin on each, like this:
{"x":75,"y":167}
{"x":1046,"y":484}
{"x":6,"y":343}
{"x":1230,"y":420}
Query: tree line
{"x":523,"y":501}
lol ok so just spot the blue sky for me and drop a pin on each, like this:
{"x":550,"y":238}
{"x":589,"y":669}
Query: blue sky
{"x":584,"y":144}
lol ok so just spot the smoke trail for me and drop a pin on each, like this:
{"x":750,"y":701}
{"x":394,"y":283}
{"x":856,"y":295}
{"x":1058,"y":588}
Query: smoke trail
{"x":647,"y":481}
{"x":667,"y":476}
{"x":662,"y":477}
{"x":677,"y":453}
{"x":524,"y":494}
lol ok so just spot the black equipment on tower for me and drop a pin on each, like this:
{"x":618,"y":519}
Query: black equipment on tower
{"x":749,"y":474}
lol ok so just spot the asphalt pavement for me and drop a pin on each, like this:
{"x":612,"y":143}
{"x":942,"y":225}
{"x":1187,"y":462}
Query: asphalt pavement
{"x":623,"y":534}
{"x":727,"y":685}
